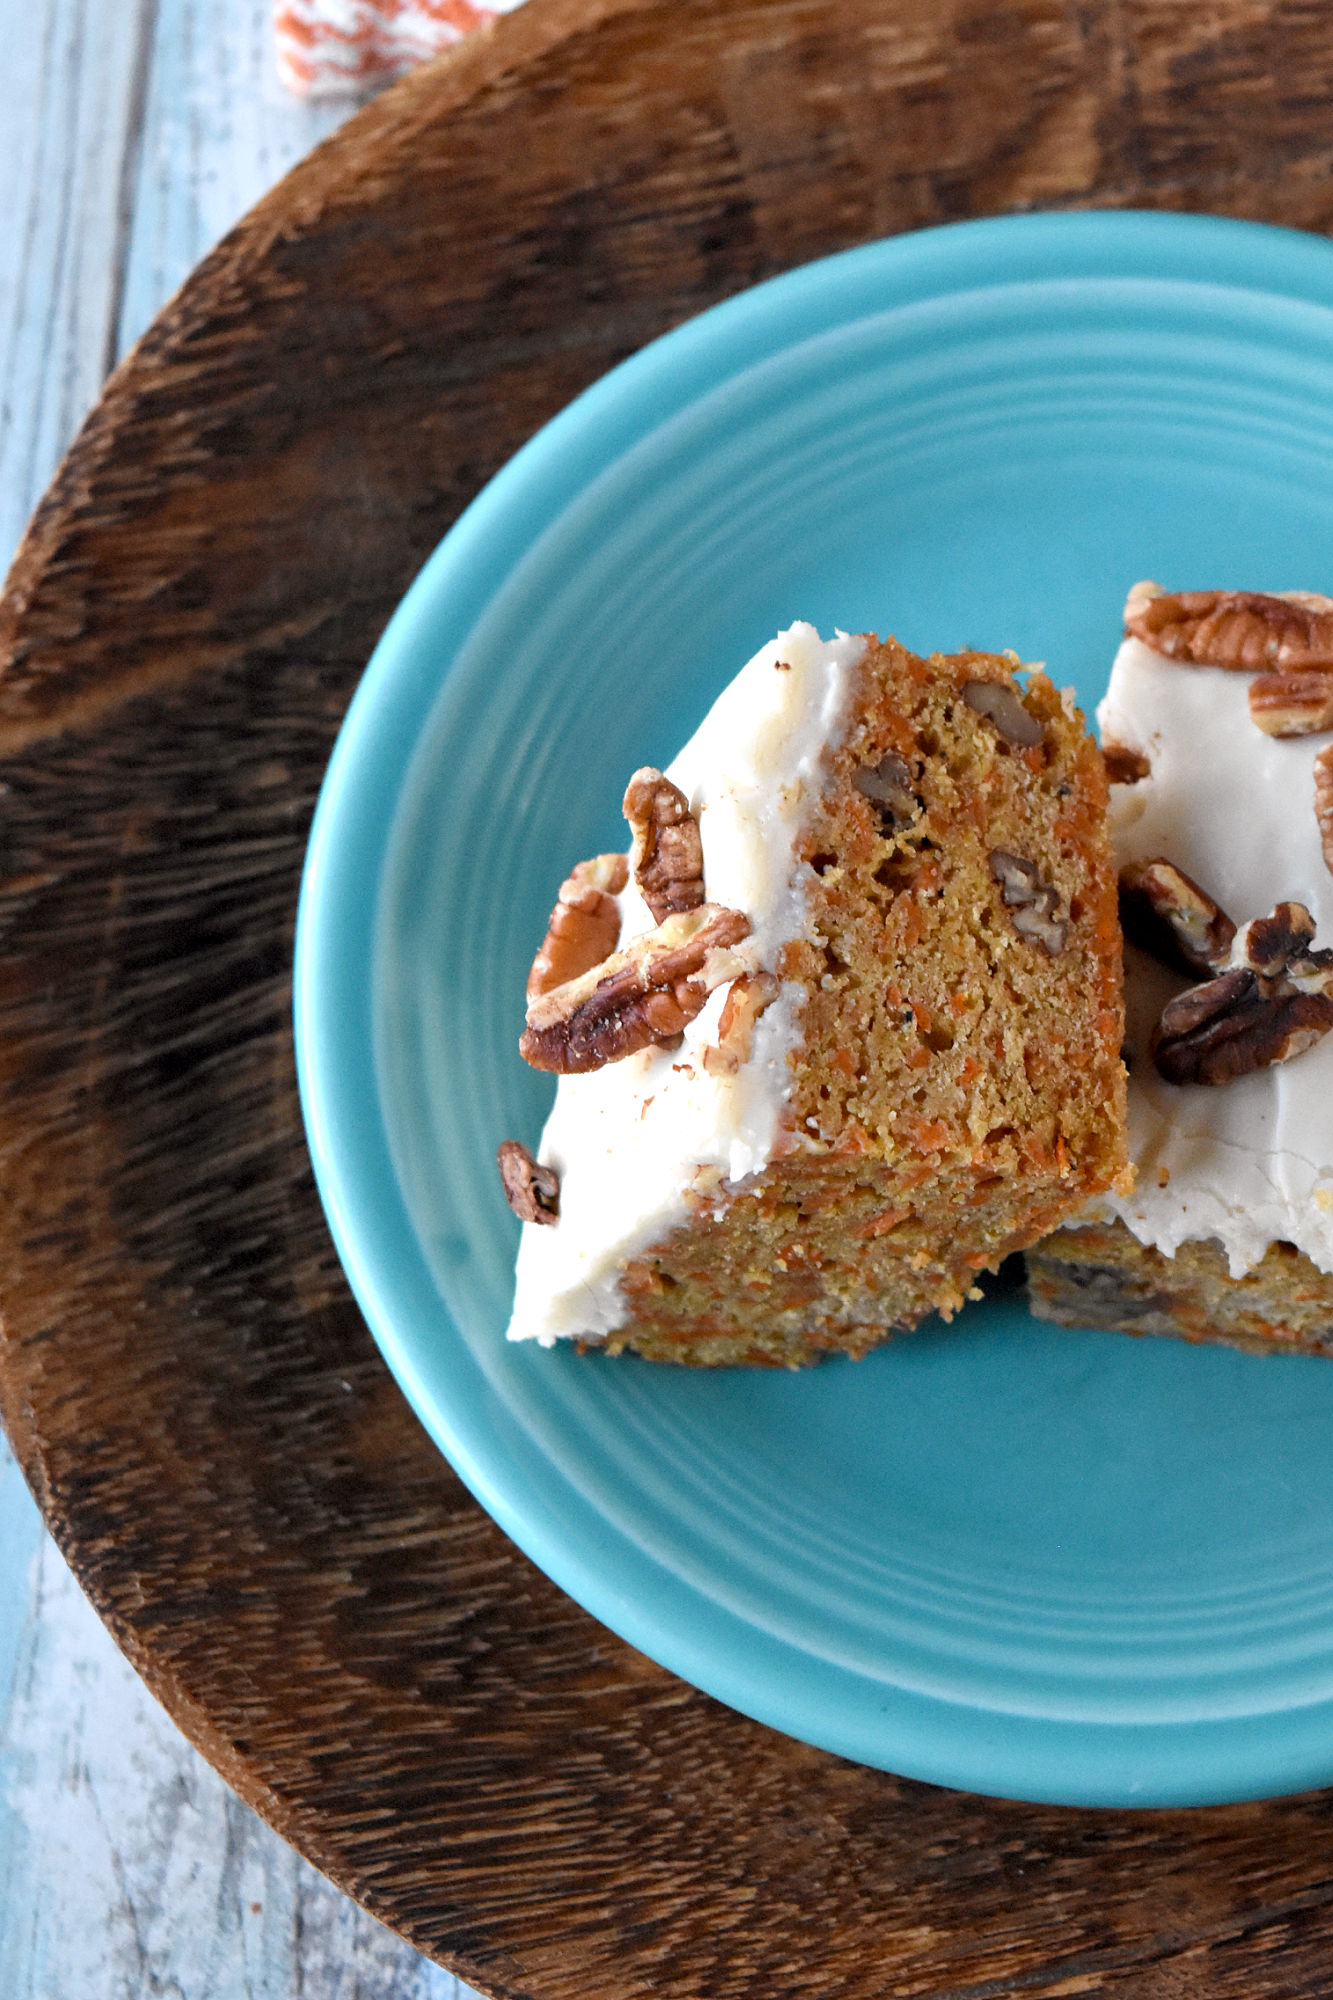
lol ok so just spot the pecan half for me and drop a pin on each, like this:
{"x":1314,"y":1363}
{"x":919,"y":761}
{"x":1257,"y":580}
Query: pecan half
{"x":1004,"y":707}
{"x":1323,"y":802}
{"x":1235,"y":1024}
{"x":735,"y":1028}
{"x":585,"y":923}
{"x":1031,"y":903}
{"x":640,"y":997}
{"x":668,"y":855}
{"x":1165,"y":912}
{"x":1292,"y":704}
{"x":1245,"y":630}
{"x":1273,"y":1000}
{"x":888,"y":785}
{"x":532,"y":1191}
{"x":1123,"y":765}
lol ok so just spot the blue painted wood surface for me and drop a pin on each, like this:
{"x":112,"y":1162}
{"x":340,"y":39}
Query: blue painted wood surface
{"x":136,"y":132}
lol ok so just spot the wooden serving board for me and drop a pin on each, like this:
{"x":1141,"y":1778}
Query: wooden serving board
{"x":215,"y":1443}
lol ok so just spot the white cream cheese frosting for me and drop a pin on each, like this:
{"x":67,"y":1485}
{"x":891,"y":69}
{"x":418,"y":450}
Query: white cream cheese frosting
{"x":631,"y":1141}
{"x":1250,"y":1162}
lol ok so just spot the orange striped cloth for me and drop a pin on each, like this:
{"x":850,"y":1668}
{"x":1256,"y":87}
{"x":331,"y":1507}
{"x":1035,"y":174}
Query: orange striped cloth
{"x":329,"y":46}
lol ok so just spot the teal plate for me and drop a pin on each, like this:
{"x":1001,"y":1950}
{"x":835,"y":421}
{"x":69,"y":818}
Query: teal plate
{"x":1051,"y":1565}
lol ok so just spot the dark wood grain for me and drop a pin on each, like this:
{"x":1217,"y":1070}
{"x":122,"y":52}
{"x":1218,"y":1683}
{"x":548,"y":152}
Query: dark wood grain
{"x":214,"y":1441}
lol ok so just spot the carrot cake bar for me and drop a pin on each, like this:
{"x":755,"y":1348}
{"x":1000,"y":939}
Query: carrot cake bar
{"x":1218,"y":727}
{"x":842,"y":1031}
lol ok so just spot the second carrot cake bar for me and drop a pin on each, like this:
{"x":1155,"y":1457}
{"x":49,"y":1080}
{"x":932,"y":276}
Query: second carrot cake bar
{"x":1217,"y":729}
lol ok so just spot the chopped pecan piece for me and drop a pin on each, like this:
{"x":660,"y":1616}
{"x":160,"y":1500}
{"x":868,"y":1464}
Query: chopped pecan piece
{"x":888,"y":785}
{"x":1004,"y":707}
{"x":640,"y":997}
{"x":1281,"y":943}
{"x":1234,"y":1024}
{"x":1323,"y":802}
{"x":1166,"y":913}
{"x":668,"y":855}
{"x":1292,"y":704}
{"x":1123,"y":765}
{"x":735,"y":1028}
{"x":532,"y":1191}
{"x":1031,"y":902}
{"x":1245,"y":630}
{"x":585,"y":923}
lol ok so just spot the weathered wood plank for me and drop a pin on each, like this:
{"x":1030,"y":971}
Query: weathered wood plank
{"x":136,"y":135}
{"x":218,"y":131}
{"x":73,"y":85}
